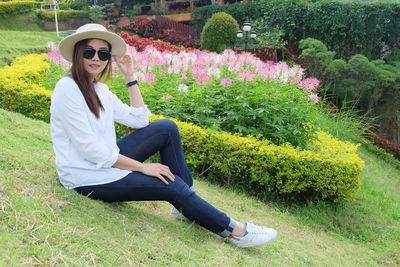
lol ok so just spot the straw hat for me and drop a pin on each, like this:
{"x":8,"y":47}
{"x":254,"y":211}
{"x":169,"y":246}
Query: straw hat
{"x":91,"y":31}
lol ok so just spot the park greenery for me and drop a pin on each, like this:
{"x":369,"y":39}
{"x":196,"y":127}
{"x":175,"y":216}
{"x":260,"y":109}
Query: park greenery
{"x":275,"y":178}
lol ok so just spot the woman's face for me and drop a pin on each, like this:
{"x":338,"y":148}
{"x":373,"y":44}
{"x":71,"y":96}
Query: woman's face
{"x":95,"y":66}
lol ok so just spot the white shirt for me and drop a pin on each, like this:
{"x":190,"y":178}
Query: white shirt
{"x":85,"y":146}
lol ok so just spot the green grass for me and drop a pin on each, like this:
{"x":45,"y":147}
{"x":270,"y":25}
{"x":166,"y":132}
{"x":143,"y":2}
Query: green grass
{"x":41,"y":223}
{"x":21,"y":35}
{"x":20,"y":22}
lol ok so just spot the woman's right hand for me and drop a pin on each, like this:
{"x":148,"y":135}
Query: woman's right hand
{"x":125,"y":65}
{"x":158,"y":170}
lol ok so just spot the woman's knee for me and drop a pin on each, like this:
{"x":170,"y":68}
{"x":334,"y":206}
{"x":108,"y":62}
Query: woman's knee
{"x":178,"y":189}
{"x":166,"y":124}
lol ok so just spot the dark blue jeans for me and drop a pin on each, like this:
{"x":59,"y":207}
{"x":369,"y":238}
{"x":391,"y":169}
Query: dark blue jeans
{"x":163,"y":136}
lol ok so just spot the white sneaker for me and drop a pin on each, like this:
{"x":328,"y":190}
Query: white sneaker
{"x":256,"y":236}
{"x":177,"y":215}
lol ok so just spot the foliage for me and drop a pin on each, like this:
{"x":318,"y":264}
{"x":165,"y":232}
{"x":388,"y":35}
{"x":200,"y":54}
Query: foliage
{"x":134,"y":11}
{"x":267,"y":36}
{"x":370,"y":86}
{"x":16,"y":7}
{"x":62,"y":15}
{"x":74,"y":4}
{"x":242,"y":12}
{"x":96,"y":13}
{"x":315,"y":57}
{"x":346,"y":27}
{"x":219,"y":33}
{"x":266,"y":110}
{"x":385,"y":144}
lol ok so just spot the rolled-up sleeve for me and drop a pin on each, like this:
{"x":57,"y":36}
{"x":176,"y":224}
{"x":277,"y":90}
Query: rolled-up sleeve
{"x":68,"y":108}
{"x":128,"y":115}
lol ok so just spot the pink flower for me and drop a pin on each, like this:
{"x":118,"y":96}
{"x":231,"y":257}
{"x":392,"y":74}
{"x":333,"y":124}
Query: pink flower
{"x":226,"y":82}
{"x":309,"y":85}
{"x":249,"y":76}
{"x":167,"y":96}
{"x":314,"y":97}
{"x":295,"y":80}
{"x":184,"y":75}
{"x":149,"y":77}
{"x":241,"y":76}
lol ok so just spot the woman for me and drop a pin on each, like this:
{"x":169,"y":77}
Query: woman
{"x":91,"y":161}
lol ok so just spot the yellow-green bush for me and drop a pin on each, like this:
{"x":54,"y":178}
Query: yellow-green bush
{"x":19,"y":86}
{"x":329,"y":170}
{"x":16,"y":6}
{"x":62,"y":15}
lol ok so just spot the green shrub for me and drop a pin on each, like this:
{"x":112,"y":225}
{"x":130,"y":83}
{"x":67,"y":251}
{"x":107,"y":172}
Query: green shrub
{"x":372,"y":87}
{"x":96,"y":13}
{"x":219,"y":33}
{"x":62,"y":15}
{"x":315,"y":57}
{"x":242,"y":12}
{"x":329,"y":170}
{"x":75,"y":4}
{"x":16,"y":7}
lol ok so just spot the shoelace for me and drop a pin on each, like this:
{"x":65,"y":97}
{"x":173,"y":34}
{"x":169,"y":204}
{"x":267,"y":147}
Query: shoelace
{"x":256,"y":229}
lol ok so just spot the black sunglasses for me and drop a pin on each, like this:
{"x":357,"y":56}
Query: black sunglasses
{"x":103,"y":54}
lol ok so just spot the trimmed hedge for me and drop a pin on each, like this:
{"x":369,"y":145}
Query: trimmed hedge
{"x":219,"y":33}
{"x":19,"y":86}
{"x":13,"y":7}
{"x":330,"y":170}
{"x":62,"y":15}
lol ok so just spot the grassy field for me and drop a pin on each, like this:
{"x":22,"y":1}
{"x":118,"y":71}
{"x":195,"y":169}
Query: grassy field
{"x":41,"y":223}
{"x":21,"y":35}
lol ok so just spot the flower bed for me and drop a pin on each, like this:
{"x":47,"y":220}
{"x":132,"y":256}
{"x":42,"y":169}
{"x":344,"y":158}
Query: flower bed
{"x":141,"y":43}
{"x":164,"y":29}
{"x":228,"y":91}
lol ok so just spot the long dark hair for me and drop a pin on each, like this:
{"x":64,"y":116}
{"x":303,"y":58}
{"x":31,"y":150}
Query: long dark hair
{"x":82,"y":78}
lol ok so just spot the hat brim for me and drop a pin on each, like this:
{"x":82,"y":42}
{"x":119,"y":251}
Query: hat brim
{"x":66,"y":46}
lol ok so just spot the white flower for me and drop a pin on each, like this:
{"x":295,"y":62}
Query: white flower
{"x":183,"y":88}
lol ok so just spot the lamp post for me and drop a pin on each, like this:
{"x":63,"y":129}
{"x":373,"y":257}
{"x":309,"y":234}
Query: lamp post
{"x":55,"y":16}
{"x":246,"y":29}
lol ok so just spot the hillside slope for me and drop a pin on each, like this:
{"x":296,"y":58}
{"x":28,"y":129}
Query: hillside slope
{"x":41,"y":223}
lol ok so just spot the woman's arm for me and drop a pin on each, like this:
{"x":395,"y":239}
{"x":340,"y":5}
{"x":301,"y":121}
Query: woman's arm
{"x":152,"y":169}
{"x":125,"y":64}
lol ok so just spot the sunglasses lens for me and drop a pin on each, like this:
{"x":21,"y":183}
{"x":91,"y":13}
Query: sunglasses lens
{"x":104,"y":55}
{"x":88,"y":53}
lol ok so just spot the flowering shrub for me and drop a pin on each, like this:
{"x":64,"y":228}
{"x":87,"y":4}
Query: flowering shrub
{"x":141,"y":43}
{"x":156,"y":29}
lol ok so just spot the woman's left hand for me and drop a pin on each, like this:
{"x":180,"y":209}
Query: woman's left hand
{"x":125,"y":65}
